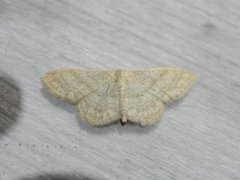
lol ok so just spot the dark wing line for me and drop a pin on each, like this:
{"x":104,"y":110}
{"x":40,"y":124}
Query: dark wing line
{"x":93,"y":90}
{"x":169,"y":86}
{"x":150,"y":92}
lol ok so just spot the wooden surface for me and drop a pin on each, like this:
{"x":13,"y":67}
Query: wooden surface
{"x":42,"y":137}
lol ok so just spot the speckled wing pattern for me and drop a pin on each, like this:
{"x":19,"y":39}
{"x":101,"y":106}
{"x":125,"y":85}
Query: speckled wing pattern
{"x":149,"y":90}
{"x":94,"y":92}
{"x":105,"y":96}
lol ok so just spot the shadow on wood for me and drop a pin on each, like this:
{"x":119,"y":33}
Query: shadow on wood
{"x":61,"y":177}
{"x":10,"y":102}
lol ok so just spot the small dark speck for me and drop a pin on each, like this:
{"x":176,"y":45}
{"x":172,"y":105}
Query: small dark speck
{"x":209,"y":28}
{"x":47,"y":146}
{"x":10,"y":102}
{"x":20,"y":144}
{"x":236,"y":85}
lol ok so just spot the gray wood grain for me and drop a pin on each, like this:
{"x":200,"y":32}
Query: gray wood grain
{"x":198,"y":137}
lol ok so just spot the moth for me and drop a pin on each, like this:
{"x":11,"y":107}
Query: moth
{"x":105,"y":96}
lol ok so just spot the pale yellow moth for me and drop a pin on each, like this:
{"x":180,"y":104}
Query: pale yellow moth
{"x":105,"y":96}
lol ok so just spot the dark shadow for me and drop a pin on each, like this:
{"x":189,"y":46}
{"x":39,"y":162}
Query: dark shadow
{"x":10,"y":102}
{"x":61,"y":177}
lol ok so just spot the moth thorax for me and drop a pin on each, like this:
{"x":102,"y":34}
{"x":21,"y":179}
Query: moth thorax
{"x":122,"y":78}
